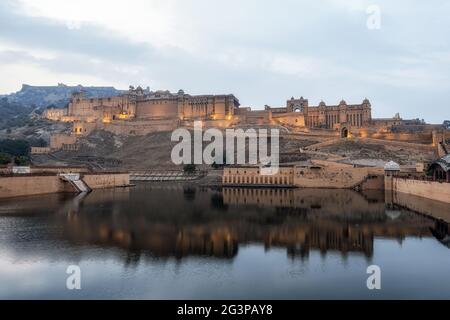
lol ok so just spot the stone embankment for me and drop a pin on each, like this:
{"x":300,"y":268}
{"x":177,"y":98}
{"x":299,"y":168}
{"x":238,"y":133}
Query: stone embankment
{"x":15,"y":185}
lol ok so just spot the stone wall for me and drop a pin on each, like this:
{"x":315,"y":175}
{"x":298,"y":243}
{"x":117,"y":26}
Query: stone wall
{"x":32,"y":185}
{"x":311,"y":176}
{"x":439,"y":191}
{"x":252,"y":176}
{"x":83,"y":128}
{"x":27,"y":185}
{"x":294,"y":119}
{"x":158,"y":109}
{"x":335,"y":177}
{"x":40,"y":150}
{"x":433,"y":208}
{"x":373,"y":182}
{"x":56,"y":170}
{"x":59,"y":139}
{"x":416,"y":137}
{"x":139,"y":127}
{"x":100,"y":181}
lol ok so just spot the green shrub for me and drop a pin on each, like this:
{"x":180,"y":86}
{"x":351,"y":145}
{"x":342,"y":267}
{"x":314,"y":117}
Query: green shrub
{"x":4,"y":158}
{"x":21,"y":161}
{"x":189,"y":168}
{"x":15,"y":147}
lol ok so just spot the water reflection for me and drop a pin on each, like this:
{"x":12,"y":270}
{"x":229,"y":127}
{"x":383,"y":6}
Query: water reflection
{"x":441,"y":232}
{"x":185,"y":221}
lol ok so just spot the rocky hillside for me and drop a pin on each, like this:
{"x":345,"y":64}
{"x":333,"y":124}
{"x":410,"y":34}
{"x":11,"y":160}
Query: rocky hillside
{"x":12,"y":111}
{"x":16,"y":108}
{"x":144,"y":152}
{"x":43,"y":96}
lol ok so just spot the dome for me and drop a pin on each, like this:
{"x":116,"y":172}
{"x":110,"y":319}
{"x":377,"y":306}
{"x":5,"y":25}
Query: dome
{"x":342,"y":102}
{"x":366,"y":101}
{"x":392,"y":166}
{"x":322,"y":104}
{"x":180,"y":92}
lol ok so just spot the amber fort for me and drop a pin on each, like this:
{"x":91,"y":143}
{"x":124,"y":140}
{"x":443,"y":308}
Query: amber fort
{"x":139,"y":111}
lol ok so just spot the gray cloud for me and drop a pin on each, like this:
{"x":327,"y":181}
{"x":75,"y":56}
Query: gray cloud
{"x":50,"y":35}
{"x":266,"y":53}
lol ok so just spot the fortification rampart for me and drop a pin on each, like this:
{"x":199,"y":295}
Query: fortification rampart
{"x":35,"y":184}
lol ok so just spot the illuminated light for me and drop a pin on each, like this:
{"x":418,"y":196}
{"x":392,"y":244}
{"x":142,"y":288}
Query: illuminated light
{"x":106,"y":120}
{"x":123,"y":115}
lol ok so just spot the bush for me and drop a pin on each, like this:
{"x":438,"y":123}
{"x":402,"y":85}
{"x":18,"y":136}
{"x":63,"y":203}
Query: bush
{"x":189,"y":168}
{"x":38,"y":142}
{"x":15,"y":147}
{"x":4,"y":158}
{"x":21,"y":161}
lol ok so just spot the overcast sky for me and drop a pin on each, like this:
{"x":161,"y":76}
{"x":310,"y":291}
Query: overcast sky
{"x":262,"y":51}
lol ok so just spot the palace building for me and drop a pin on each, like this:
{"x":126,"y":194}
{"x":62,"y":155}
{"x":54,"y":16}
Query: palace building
{"x":147,"y":105}
{"x":327,"y":117}
{"x":140,"y":112}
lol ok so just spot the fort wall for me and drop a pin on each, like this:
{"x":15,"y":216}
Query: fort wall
{"x":40,"y":150}
{"x":339,"y":176}
{"x":434,"y":190}
{"x":293,"y":119}
{"x":433,"y":208}
{"x":336,"y":177}
{"x":101,"y":180}
{"x":34,"y":184}
{"x":158,"y":109}
{"x":139,"y":127}
{"x":58,"y":140}
{"x":417,"y":137}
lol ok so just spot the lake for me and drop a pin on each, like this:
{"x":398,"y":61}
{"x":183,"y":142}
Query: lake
{"x":188,"y":242}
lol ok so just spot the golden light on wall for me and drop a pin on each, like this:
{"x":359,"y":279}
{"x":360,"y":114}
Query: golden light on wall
{"x":106,"y":120}
{"x":363,"y":133}
{"x":123,"y":115}
{"x":78,"y":130}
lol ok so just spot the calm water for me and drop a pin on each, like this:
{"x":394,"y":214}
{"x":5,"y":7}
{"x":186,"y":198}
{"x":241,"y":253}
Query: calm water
{"x":185,"y":242}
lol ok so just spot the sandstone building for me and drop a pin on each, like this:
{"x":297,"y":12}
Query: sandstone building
{"x":140,"y":112}
{"x":146,"y":105}
{"x":323,"y":116}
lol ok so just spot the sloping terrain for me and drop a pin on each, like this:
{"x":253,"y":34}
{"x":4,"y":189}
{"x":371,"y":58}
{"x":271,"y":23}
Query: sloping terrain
{"x":149,"y":151}
{"x":376,"y":152}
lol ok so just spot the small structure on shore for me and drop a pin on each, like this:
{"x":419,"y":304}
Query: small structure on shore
{"x":440,"y":168}
{"x":391,"y":166}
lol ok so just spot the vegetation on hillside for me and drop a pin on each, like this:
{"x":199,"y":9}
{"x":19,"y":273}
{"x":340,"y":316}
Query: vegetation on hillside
{"x":14,"y":150}
{"x":13,"y":114}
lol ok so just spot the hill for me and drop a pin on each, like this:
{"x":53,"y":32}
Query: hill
{"x":43,"y":96}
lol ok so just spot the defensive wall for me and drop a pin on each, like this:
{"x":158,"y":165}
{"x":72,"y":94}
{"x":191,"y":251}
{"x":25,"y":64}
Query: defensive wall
{"x":44,"y":183}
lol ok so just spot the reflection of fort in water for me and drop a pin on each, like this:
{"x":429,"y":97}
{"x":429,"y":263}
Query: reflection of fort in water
{"x":202,"y":222}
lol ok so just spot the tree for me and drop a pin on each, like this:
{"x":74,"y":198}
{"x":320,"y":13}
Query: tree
{"x":15,"y":147}
{"x":38,"y":142}
{"x":447,"y":124}
{"x":21,"y":161}
{"x":4,"y":158}
{"x":189,"y":168}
